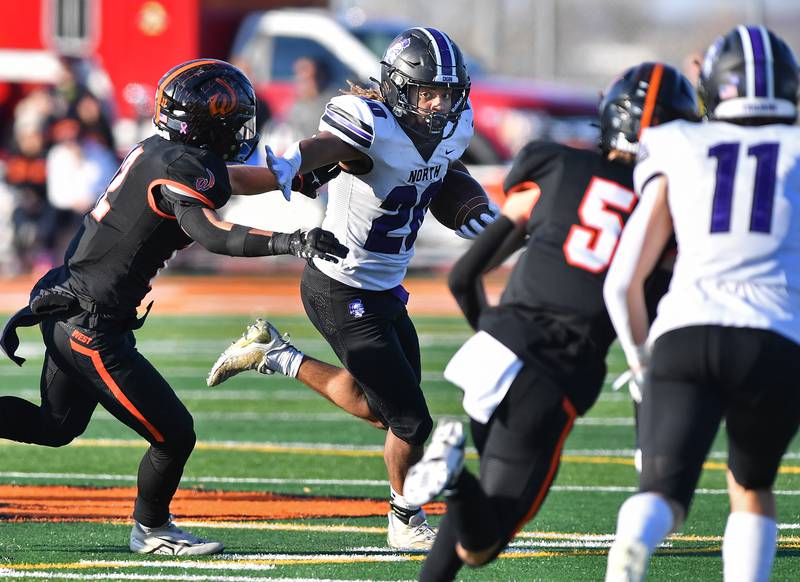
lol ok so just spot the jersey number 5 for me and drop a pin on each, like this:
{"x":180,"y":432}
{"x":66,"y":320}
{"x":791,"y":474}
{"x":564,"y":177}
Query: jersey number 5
{"x":590,"y":245}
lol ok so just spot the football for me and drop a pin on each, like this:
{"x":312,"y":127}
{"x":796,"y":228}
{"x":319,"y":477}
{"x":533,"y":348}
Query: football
{"x":460,"y":199}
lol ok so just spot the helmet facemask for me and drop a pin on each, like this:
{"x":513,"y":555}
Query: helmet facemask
{"x":427,"y":124}
{"x":643,"y":96}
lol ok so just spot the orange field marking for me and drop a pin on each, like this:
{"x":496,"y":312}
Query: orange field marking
{"x":58,"y":503}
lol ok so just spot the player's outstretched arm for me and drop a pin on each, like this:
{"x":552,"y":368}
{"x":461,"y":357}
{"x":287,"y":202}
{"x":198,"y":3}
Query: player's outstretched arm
{"x":252,"y":180}
{"x":219,"y":236}
{"x":320,"y":151}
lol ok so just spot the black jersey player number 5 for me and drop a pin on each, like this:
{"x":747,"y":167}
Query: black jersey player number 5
{"x":591,"y":244}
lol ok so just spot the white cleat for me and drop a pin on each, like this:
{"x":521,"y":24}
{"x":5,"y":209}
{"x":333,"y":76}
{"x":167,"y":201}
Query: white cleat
{"x":170,"y":540}
{"x":439,"y":467}
{"x":248,"y":352}
{"x":417,"y":535}
{"x":627,"y":561}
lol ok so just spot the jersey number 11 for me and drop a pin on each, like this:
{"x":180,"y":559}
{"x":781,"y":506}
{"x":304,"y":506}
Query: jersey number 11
{"x":727,"y":154}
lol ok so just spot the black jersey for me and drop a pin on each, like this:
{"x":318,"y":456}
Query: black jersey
{"x":552,"y":310}
{"x":132,"y":231}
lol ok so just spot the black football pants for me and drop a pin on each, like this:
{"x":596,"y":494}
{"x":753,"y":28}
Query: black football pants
{"x":84,"y":367}
{"x":520,"y":451}
{"x":376,"y":341}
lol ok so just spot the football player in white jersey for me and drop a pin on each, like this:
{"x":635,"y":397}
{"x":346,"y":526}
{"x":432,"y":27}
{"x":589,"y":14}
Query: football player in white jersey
{"x":724,"y":344}
{"x":395,"y":146}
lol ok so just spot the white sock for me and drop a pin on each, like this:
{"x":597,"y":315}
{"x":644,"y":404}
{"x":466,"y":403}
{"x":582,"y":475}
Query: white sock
{"x":645,"y":517}
{"x":748,"y":547}
{"x":401,"y":501}
{"x":286,"y":360}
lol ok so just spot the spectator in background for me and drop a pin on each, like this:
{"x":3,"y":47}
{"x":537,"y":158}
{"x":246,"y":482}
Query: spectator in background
{"x":79,"y":167}
{"x":33,"y":217}
{"x":313,"y":91}
{"x":88,"y":110}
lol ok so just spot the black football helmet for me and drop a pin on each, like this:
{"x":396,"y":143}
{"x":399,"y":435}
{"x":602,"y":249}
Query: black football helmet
{"x":424,"y":57}
{"x":645,"y":95}
{"x":749,"y":76}
{"x":208,"y":104}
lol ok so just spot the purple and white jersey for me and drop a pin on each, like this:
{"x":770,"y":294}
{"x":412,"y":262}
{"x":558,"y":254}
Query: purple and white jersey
{"x":734,"y":197}
{"x":377,"y":214}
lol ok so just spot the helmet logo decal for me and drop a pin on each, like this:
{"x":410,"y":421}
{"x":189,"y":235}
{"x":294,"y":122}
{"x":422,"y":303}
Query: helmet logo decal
{"x":394,"y":51}
{"x":223,"y":102}
{"x":184,"y":128}
{"x":730,"y":90}
{"x":203,"y":184}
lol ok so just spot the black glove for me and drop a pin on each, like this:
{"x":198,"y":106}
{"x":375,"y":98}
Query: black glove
{"x":308,"y":184}
{"x":313,"y":244}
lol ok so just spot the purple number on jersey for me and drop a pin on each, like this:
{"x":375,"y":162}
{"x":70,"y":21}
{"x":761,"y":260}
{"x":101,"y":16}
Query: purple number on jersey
{"x":727,"y":154}
{"x":402,"y":200}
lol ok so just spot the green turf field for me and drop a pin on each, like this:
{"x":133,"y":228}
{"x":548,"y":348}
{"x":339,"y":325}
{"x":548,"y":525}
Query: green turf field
{"x":273,"y":434}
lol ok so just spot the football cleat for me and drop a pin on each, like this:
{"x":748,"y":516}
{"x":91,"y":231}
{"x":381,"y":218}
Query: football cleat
{"x":170,"y":540}
{"x":439,"y":467}
{"x":627,"y":561}
{"x":417,"y":534}
{"x":249,"y":352}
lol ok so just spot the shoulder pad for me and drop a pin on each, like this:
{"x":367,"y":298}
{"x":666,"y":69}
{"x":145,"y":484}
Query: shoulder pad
{"x":651,"y":161}
{"x":532,"y":160}
{"x":198,"y":180}
{"x":352,"y":119}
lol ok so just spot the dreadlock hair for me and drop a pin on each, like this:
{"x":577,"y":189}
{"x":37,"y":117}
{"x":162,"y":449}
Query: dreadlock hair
{"x":359,"y":91}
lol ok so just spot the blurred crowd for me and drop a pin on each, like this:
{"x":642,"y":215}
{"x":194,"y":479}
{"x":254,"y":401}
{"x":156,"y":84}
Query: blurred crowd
{"x":58,"y":154}
{"x":57,"y":158}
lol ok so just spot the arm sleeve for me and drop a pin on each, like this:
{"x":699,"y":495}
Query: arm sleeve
{"x":236,"y":242}
{"x":620,"y":274}
{"x":464,"y":280}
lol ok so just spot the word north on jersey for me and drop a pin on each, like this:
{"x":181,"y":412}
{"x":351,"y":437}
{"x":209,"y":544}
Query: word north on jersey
{"x":424,"y":174}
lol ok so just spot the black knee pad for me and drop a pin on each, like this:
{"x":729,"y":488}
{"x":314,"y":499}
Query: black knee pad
{"x":183,"y":445}
{"x":59,"y":434}
{"x":57,"y":439}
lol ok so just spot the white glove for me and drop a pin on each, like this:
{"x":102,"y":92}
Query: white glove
{"x":634,"y":382}
{"x":285,"y":167}
{"x":473,"y":228}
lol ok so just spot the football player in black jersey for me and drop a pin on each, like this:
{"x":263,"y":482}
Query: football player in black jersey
{"x":164,"y":196}
{"x":538,"y":359}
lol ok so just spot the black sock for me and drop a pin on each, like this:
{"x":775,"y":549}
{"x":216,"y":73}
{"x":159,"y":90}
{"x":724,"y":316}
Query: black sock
{"x":471,"y":513}
{"x":402,"y":513}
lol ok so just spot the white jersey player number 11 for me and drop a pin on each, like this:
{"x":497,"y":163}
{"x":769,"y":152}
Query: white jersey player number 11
{"x":727,"y":154}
